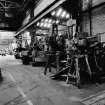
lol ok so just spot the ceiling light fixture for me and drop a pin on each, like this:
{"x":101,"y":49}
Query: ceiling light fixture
{"x":46,"y":20}
{"x":67,"y":16}
{"x":53,"y":13}
{"x":63,"y":14}
{"x":57,"y":21}
{"x":59,"y":12}
{"x":38,"y":24}
{"x":48,"y":25}
{"x":42,"y":24}
{"x":45,"y":25}
{"x":50,"y":20}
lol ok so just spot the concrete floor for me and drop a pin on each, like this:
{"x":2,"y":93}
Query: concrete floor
{"x":26,"y":85}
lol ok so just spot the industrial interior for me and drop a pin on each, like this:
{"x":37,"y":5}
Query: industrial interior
{"x":52,"y":52}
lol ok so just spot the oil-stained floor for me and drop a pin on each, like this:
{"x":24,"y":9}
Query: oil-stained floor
{"x":26,"y":85}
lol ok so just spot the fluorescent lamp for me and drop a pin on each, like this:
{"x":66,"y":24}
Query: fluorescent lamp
{"x":59,"y":34}
{"x":42,"y":24}
{"x":57,"y":21}
{"x":46,"y":20}
{"x":59,"y":12}
{"x":67,"y":16}
{"x":45,"y":25}
{"x":50,"y":20}
{"x":38,"y":24}
{"x":53,"y":13}
{"x":48,"y":25}
{"x":63,"y":14}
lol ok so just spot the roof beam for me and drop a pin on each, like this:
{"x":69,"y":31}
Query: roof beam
{"x":41,"y":16}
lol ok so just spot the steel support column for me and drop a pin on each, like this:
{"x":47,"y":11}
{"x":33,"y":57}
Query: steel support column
{"x":32,"y":30}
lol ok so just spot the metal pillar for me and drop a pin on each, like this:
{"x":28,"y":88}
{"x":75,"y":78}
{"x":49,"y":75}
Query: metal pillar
{"x":90,"y":16}
{"x":57,"y":60}
{"x":32,"y":30}
{"x":79,"y":16}
{"x":54,"y":30}
{"x":32,"y":34}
